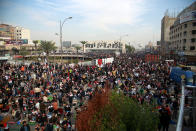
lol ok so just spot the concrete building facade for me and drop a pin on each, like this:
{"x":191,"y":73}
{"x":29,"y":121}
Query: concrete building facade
{"x":166,"y":23}
{"x":7,"y":31}
{"x":21,"y":33}
{"x":183,"y":32}
{"x":66,"y":44}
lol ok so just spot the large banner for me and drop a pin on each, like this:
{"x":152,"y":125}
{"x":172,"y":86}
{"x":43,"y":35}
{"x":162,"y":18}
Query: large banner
{"x":188,"y":16}
{"x":22,"y":41}
{"x":102,"y":62}
{"x":152,"y":58}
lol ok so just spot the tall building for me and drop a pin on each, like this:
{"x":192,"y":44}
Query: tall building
{"x":66,"y":44}
{"x":166,"y":23}
{"x":14,"y":35}
{"x":7,"y":31}
{"x":21,"y":33}
{"x":183,"y":32}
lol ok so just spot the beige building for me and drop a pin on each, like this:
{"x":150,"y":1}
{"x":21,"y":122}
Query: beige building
{"x":6,"y":31}
{"x":15,"y":34}
{"x":183,"y":32}
{"x":166,"y":23}
{"x":21,"y":33}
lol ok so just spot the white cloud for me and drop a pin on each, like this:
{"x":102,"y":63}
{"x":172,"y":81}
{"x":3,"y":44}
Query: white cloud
{"x":41,"y":17}
{"x":101,"y":14}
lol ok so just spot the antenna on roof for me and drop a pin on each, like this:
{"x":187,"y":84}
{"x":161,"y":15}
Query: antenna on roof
{"x":166,"y":12}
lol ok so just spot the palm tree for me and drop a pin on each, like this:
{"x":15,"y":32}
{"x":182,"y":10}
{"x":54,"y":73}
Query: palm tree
{"x":77,"y":48}
{"x":15,"y":50}
{"x":83,"y":43}
{"x":24,"y":52}
{"x":35,"y":42}
{"x":47,"y":47}
{"x":130,"y":49}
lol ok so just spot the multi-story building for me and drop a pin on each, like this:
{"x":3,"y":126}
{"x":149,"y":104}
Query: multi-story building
{"x":7,"y":31}
{"x":13,"y":35}
{"x":183,"y":32}
{"x":21,"y":33}
{"x":166,"y":23}
{"x":66,"y":44}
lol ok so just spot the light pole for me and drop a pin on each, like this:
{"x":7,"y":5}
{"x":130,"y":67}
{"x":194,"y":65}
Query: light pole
{"x":121,"y":39}
{"x":61,"y":27}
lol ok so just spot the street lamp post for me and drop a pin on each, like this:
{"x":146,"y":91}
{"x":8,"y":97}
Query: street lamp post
{"x":121,"y":39}
{"x":61,"y":27}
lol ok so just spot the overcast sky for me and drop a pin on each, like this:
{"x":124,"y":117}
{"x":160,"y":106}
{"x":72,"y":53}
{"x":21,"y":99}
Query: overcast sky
{"x":92,"y":19}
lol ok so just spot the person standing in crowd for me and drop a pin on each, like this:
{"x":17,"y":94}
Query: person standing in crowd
{"x":25,"y":127}
{"x":50,"y":93}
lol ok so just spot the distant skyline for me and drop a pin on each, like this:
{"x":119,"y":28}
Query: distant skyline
{"x":92,"y":19}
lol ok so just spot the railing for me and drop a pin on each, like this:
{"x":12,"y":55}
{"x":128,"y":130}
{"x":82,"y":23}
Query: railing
{"x":181,"y":112}
{"x":182,"y":103}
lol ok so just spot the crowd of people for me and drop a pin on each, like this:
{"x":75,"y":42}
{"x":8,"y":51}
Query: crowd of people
{"x":50,"y":94}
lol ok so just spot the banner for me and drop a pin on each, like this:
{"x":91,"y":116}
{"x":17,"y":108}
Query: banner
{"x":22,"y":41}
{"x":152,"y":58}
{"x":102,"y":62}
{"x":188,"y":16}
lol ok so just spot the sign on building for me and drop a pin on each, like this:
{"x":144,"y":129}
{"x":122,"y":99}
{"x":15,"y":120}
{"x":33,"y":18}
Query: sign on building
{"x":188,"y":16}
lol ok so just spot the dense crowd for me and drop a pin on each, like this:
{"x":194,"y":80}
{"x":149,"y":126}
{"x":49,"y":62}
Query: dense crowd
{"x":50,"y":94}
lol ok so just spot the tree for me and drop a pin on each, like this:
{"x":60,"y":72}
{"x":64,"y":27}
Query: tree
{"x":24,"y":52}
{"x":47,"y":47}
{"x":130,"y":49}
{"x":110,"y":111}
{"x":77,"y":48}
{"x":35,"y":42}
{"x":83,"y":43}
{"x":15,"y":50}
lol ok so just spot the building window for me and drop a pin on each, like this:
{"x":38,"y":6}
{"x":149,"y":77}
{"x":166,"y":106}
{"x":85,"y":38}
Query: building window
{"x":194,"y":23}
{"x":192,"y":48}
{"x":193,"y":31}
{"x":185,"y":33}
{"x":184,"y":47}
{"x":184,"y":40}
{"x":185,"y":25}
{"x":193,"y":40}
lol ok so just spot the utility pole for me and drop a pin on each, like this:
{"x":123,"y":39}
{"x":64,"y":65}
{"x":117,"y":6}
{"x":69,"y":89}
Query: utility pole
{"x":60,"y":35}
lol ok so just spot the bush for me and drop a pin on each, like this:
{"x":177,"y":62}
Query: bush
{"x":110,"y":111}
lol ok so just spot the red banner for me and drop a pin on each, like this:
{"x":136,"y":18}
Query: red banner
{"x":152,"y":58}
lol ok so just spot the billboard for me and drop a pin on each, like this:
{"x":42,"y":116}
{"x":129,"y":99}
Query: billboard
{"x":22,"y":41}
{"x":188,"y":16}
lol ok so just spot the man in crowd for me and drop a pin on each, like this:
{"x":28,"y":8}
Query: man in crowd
{"x":49,"y":93}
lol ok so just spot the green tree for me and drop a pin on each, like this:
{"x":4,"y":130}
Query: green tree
{"x":83,"y":43}
{"x":77,"y":48}
{"x":110,"y":111}
{"x":47,"y":47}
{"x":130,"y":49}
{"x":15,"y":50}
{"x":24,"y":52}
{"x":35,"y":42}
